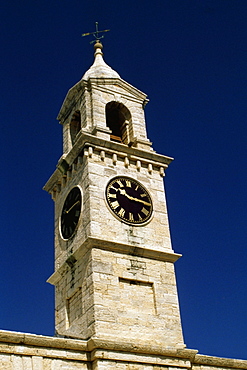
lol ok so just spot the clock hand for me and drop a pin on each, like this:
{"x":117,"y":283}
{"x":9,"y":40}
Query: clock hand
{"x":123,"y":192}
{"x":139,"y":200}
{"x":72,"y":206}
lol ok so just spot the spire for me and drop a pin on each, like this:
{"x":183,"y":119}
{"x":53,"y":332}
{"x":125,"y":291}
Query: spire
{"x":99,"y":67}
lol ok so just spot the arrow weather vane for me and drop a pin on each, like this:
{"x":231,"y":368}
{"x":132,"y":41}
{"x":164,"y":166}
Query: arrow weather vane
{"x":95,"y":34}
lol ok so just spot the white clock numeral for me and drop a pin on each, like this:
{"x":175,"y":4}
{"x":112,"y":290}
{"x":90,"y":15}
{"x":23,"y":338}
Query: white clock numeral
{"x":137,"y":186}
{"x":145,"y":211}
{"x":143,"y":195}
{"x":139,"y":216}
{"x":115,"y":204}
{"x":131,"y":218}
{"x":119,"y":183}
{"x":128,"y":183}
{"x":112,"y":196}
{"x":112,"y":187}
{"x":121,"y":212}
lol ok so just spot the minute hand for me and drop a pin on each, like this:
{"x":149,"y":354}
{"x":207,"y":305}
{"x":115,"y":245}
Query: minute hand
{"x":72,"y":206}
{"x":138,"y":200}
{"x":123,"y":192}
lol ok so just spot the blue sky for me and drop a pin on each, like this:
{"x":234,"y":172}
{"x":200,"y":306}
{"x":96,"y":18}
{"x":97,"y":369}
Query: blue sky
{"x":190,"y":57}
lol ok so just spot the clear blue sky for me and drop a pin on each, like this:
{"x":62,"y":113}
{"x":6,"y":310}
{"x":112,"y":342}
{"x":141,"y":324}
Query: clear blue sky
{"x":190,"y":57}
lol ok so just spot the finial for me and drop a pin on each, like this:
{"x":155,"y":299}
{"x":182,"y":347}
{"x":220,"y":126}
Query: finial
{"x":96,"y":35}
{"x":98,"y":45}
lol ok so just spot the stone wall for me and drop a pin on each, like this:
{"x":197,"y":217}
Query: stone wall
{"x":20,"y":351}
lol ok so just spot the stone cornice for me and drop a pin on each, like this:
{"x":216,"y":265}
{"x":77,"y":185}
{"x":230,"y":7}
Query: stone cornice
{"x":220,"y":362}
{"x":85,"y":140}
{"x":16,"y":343}
{"x":120,"y":83}
{"x":42,"y":341}
{"x":159,"y":255}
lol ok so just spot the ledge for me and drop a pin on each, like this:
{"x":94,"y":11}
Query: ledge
{"x":158,"y":255}
{"x":87,"y":350}
{"x":140,"y":348}
{"x":41,"y":341}
{"x":85,"y":140}
{"x":220,"y":361}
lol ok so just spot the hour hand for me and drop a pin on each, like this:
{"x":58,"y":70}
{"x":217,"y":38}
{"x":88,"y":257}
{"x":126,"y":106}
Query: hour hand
{"x":123,"y":192}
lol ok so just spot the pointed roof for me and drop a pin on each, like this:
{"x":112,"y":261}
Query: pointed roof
{"x":102,"y":72}
{"x":99,"y":67}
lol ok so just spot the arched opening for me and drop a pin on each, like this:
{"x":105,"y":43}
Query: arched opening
{"x":118,"y":119}
{"x":75,"y":126}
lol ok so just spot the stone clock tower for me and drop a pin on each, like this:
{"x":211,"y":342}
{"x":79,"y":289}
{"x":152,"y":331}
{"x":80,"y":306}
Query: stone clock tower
{"x":116,"y":296}
{"x":114,"y":264}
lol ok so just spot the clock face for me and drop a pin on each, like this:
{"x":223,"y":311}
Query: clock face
{"x":71,"y":213}
{"x":129,"y":200}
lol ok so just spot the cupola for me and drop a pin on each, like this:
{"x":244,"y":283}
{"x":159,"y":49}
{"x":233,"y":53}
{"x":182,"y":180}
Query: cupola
{"x":104,"y":105}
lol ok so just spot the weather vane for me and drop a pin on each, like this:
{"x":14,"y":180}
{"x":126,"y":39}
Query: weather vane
{"x":95,"y":34}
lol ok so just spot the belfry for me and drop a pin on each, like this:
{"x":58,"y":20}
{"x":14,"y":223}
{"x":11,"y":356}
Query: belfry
{"x":116,"y":301}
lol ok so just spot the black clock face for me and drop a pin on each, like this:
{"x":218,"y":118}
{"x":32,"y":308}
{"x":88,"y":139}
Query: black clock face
{"x":129,"y":200}
{"x":71,"y":213}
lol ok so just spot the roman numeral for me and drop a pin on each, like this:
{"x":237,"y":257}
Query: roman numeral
{"x":121,"y":212}
{"x":128,"y":183}
{"x":143,"y":195}
{"x":115,"y":204}
{"x":139,"y":216}
{"x":131,"y":218}
{"x":119,"y":183}
{"x":145,"y":211}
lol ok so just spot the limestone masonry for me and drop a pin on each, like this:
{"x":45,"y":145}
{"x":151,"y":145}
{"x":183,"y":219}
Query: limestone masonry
{"x":116,"y":301}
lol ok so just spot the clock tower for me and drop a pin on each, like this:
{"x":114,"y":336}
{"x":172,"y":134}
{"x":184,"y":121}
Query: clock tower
{"x":114,"y":264}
